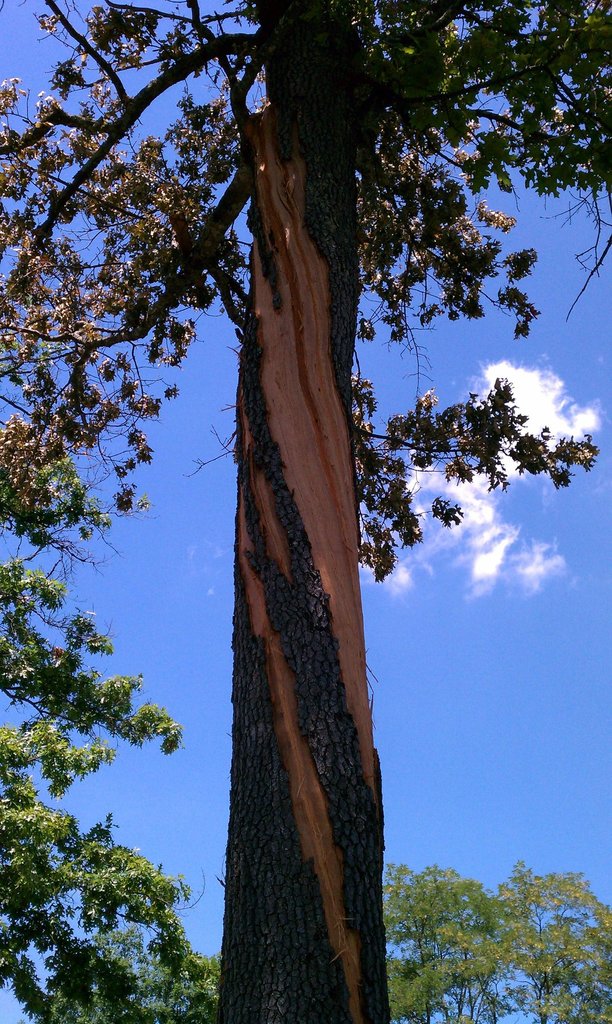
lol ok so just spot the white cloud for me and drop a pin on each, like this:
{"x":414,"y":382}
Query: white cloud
{"x":488,"y":557}
{"x":493,"y":551}
{"x":401,"y":580}
{"x":541,"y":395}
{"x":201,"y":562}
{"x":536,"y":564}
{"x":489,"y":547}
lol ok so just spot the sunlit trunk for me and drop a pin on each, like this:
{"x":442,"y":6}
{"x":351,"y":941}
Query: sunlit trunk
{"x":303,"y":940}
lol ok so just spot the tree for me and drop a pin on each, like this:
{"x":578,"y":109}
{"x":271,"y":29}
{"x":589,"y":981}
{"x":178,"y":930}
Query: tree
{"x":379,"y":125}
{"x":446,"y":962}
{"x":154,"y":995}
{"x":60,"y":885}
{"x":558,"y":937}
{"x":539,"y":947}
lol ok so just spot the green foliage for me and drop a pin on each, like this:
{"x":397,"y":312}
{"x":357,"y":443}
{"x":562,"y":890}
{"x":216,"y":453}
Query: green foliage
{"x":446,"y":961}
{"x":558,"y":938}
{"x":113,"y":238}
{"x":42,"y":671}
{"x":119,"y":228}
{"x":456,"y":97}
{"x":522,"y":86}
{"x":540,"y":947}
{"x":147,"y":991}
{"x":60,"y":886}
{"x":482,"y":437}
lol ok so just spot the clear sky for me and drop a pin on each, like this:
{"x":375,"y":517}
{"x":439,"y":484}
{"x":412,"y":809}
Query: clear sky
{"x":489,"y":647}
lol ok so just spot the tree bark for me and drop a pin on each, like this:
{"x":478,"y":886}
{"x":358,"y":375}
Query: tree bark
{"x":303,"y":934}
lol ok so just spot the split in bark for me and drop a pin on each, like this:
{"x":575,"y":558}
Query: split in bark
{"x":303,"y":930}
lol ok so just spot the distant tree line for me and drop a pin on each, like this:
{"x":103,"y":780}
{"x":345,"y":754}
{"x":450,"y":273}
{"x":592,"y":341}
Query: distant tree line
{"x":147,"y":991}
{"x":538,"y":950}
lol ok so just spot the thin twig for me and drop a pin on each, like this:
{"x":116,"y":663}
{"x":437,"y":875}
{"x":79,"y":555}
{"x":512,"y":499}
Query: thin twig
{"x":595,"y":270}
{"x":91,"y":50}
{"x":134,"y":108}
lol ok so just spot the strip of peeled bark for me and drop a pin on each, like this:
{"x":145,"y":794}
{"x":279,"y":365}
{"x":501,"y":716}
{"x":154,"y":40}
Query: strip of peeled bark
{"x":303,"y":938}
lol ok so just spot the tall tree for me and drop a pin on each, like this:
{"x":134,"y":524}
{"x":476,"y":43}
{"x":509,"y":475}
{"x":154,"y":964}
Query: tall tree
{"x":558,"y":938}
{"x":538,"y":947}
{"x":147,"y":992}
{"x":446,"y":961}
{"x":358,"y":133}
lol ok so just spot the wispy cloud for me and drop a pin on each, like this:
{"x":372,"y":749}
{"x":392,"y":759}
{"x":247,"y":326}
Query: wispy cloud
{"x":401,"y":580}
{"x":535,"y":564}
{"x":492,"y":549}
{"x":486,"y":546}
{"x":204,"y":561}
{"x":542,"y":396}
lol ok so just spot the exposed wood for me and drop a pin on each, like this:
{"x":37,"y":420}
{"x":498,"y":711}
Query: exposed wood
{"x":305,"y":412}
{"x":307,"y":421}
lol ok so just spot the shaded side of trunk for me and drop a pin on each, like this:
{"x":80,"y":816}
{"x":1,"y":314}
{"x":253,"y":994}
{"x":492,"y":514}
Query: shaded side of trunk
{"x":303,"y":936}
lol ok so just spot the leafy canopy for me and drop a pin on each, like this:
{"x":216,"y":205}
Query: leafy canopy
{"x":121,"y":219}
{"x":539,"y":947}
{"x":123,"y":185}
{"x":153,"y":995}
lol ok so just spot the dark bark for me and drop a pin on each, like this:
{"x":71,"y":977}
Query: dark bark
{"x":303,"y":938}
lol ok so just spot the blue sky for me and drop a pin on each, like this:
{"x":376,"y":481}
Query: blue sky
{"x":489,"y":648}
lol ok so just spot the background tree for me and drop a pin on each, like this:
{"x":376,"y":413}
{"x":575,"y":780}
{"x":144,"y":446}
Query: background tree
{"x":60,"y":885}
{"x":446,"y":961}
{"x":558,"y":937}
{"x":538,"y":948}
{"x":151,"y":993}
{"x":363,"y":169}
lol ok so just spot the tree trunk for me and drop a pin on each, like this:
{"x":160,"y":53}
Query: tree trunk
{"x":303,"y":935}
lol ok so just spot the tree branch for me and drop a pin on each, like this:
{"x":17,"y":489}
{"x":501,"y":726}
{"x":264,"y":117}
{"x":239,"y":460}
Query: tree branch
{"x":55,"y":116}
{"x":200,"y":256}
{"x":491,"y":115}
{"x":227,"y":285}
{"x":134,"y":108}
{"x":142,"y":9}
{"x":230,"y":204}
{"x":442,"y":15}
{"x":593,"y":272}
{"x":103,"y":64}
{"x":196,"y":18}
{"x":389,"y":94}
{"x":145,"y":10}
{"x":568,"y":97}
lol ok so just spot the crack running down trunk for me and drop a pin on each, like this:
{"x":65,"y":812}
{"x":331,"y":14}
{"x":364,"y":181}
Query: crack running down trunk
{"x":303,"y":937}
